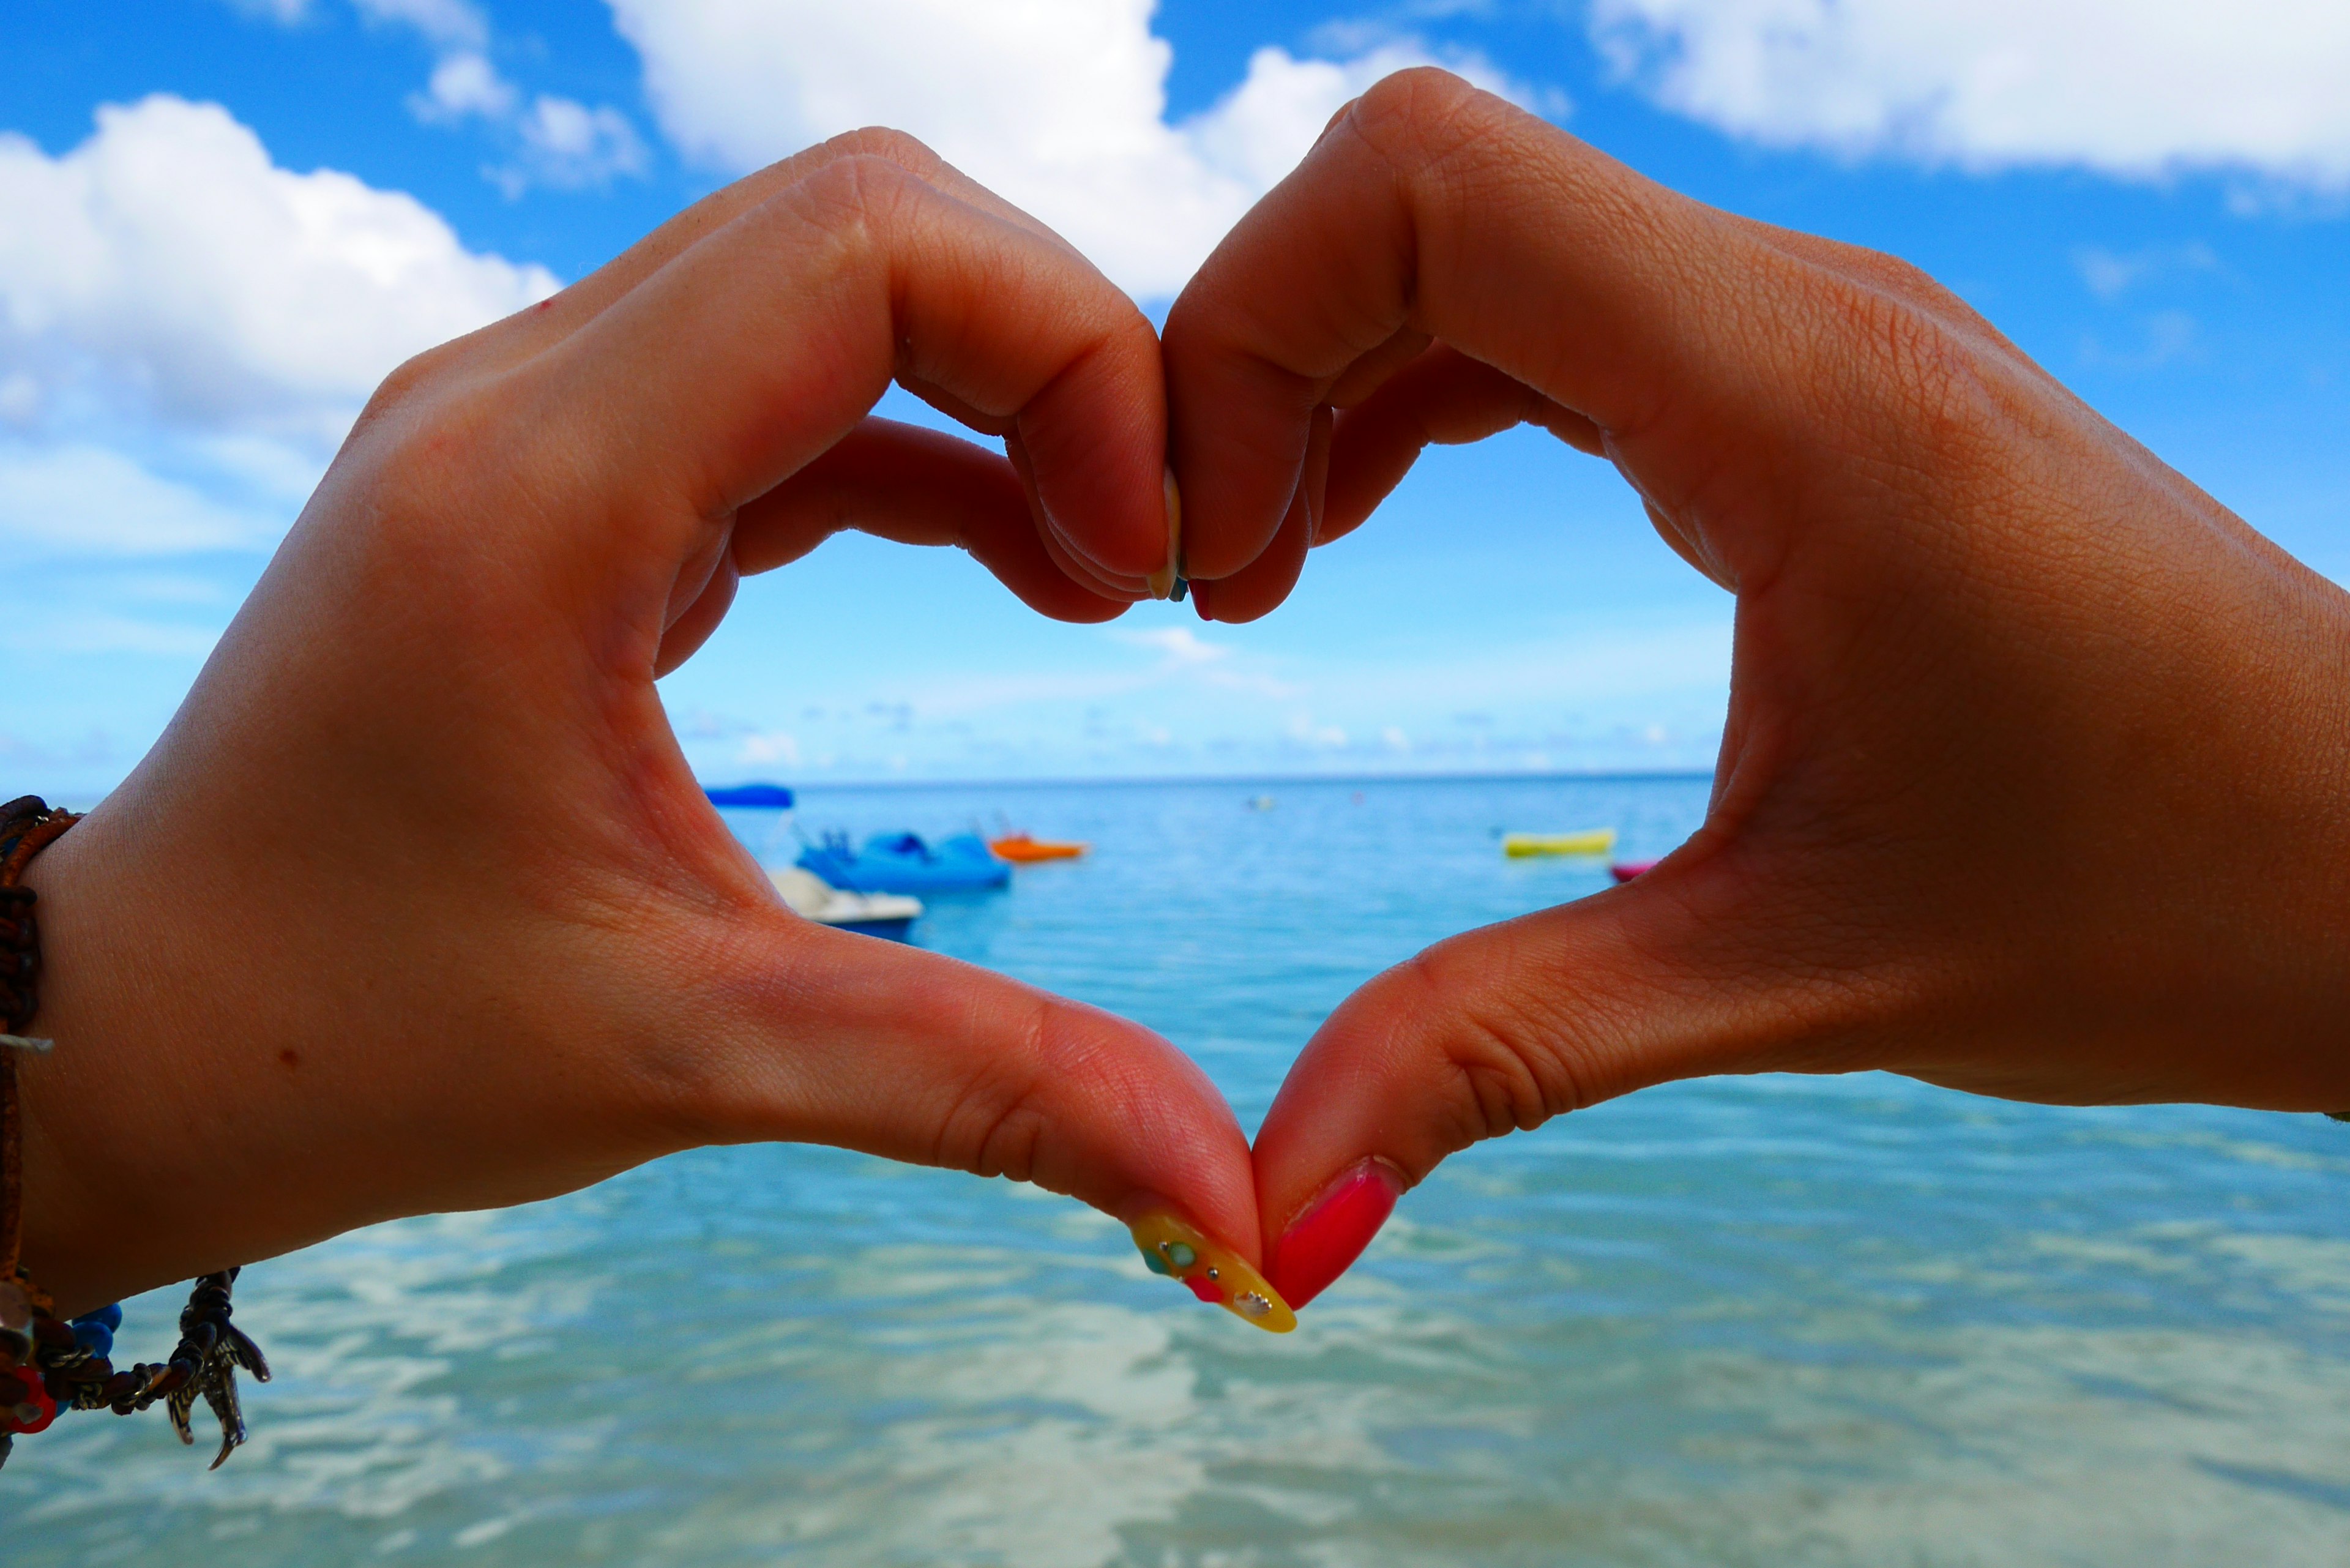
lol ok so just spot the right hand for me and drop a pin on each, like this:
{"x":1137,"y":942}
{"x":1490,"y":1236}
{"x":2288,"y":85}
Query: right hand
{"x":2036,"y":775}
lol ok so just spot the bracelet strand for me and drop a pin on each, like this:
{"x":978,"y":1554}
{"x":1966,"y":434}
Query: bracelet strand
{"x":49,"y":1365}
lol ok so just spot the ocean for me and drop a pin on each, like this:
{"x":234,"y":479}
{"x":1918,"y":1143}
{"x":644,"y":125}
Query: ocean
{"x":1785,"y":1321}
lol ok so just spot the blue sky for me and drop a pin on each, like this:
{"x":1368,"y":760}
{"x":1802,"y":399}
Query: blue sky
{"x":2155,"y":202}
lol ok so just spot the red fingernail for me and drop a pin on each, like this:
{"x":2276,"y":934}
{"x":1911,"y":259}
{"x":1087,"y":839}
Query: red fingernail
{"x":1200,"y":601}
{"x":1325,"y":1240}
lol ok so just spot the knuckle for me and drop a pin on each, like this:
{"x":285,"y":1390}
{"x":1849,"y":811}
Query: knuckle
{"x":1429,"y":122}
{"x":1461,"y":158}
{"x":432,"y":463}
{"x":854,"y":196}
{"x":1928,"y":379}
{"x":1420,"y":108}
{"x":997,"y":1123}
{"x":1924,"y":294}
{"x":1904,"y":275}
{"x":1514,"y":1058}
{"x":412,"y":380}
{"x":889,"y":145}
{"x":418,"y":489}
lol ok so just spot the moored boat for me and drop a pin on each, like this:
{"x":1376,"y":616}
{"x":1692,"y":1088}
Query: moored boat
{"x":885,"y":915}
{"x":1022,"y":849}
{"x":772,"y":796}
{"x":1590,"y":842}
{"x":906,"y":863}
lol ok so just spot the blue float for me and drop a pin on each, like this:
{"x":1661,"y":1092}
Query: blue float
{"x":773,"y":795}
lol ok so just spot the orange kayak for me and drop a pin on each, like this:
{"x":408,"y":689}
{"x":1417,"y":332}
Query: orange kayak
{"x":1022,"y":850}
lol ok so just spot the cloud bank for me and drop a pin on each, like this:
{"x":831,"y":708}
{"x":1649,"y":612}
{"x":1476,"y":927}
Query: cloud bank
{"x":168,"y":266}
{"x":2135,"y":88}
{"x":187,"y":329}
{"x":1058,"y":105}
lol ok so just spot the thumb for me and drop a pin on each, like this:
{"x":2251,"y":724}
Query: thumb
{"x":1497,"y":1030}
{"x":824,"y":1036}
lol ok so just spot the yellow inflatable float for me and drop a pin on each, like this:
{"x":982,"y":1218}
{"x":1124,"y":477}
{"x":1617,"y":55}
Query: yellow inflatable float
{"x":1592,"y":842}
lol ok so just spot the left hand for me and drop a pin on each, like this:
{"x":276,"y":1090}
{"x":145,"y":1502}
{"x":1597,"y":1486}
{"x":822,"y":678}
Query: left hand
{"x":416,"y":905}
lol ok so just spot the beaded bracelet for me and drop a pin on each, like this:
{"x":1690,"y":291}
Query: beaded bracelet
{"x":47,"y":1364}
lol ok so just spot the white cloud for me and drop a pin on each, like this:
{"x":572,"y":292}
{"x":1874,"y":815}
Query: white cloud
{"x":1303,"y":730}
{"x":87,"y":500}
{"x":187,"y":329}
{"x":2110,"y":274}
{"x":446,"y":24}
{"x":1265,"y":125}
{"x":2131,"y":87}
{"x":1185,"y":655}
{"x":464,"y":84}
{"x":84,"y":632}
{"x":558,"y":142}
{"x":1058,"y":105}
{"x":774,"y":746}
{"x":2168,"y":337}
{"x":168,"y":266}
{"x":1180,"y":644}
{"x":570,"y":146}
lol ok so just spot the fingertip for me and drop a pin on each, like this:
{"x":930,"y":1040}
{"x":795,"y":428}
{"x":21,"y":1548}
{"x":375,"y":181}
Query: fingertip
{"x":1373,"y":1103}
{"x":1081,"y":606}
{"x":1218,"y":1275}
{"x":1166,"y":580}
{"x":1333,"y":1228}
{"x":1257,"y":589}
{"x":1095,"y":448}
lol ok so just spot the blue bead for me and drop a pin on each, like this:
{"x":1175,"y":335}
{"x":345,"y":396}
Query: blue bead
{"x":110,"y":1315}
{"x":1151,"y":1260}
{"x":93,"y":1336}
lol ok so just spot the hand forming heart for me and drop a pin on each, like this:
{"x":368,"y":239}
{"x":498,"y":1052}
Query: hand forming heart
{"x":416,"y":905}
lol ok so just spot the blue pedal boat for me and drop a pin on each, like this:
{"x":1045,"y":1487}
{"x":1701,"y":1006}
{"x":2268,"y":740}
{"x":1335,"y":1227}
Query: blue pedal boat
{"x":907,"y":863}
{"x":768,"y":797}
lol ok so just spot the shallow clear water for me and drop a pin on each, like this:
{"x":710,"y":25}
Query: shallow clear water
{"x":1774,"y":1321}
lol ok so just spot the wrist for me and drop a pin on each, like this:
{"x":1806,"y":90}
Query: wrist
{"x":61,"y":1223}
{"x":109,"y":1207}
{"x":2231,"y":943}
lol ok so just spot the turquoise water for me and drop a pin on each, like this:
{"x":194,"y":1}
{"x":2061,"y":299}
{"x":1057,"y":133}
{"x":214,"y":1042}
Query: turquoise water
{"x":1741,"y":1321}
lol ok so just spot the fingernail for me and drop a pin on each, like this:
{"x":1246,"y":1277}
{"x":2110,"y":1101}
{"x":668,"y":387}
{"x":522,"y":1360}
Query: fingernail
{"x":1200,"y":601}
{"x":1324,"y":1239}
{"x":1163,"y":580}
{"x":1173,"y":1246}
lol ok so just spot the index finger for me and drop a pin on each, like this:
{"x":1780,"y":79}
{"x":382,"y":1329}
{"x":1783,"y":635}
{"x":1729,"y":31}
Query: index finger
{"x":635,"y":440}
{"x":1430,"y":207}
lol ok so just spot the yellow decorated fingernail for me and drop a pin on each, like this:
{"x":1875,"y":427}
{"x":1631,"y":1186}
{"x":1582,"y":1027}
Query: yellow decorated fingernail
{"x":1164,"y":580}
{"x":1173,"y":1246}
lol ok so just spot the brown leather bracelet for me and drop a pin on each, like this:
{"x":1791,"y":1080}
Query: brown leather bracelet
{"x":27,"y":826}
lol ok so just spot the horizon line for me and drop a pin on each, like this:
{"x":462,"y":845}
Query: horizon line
{"x":1596,"y":775}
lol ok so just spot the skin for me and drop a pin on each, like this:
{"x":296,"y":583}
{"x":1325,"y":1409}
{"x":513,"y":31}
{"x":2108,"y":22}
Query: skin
{"x":2029,"y":786}
{"x":417,"y":907}
{"x":2034,"y":774}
